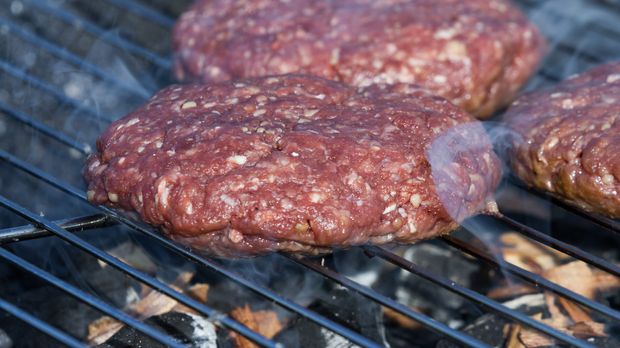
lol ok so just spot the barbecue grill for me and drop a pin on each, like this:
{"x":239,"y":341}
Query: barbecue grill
{"x":59,"y":89}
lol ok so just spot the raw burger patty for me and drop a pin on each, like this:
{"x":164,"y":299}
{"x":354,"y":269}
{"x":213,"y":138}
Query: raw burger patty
{"x":475,"y":53}
{"x":294,"y":163}
{"x":568,"y":139}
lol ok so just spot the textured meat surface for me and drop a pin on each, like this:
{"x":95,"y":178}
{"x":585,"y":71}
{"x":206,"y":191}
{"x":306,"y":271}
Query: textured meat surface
{"x":568,"y":139}
{"x":294,"y":163}
{"x":475,"y":53}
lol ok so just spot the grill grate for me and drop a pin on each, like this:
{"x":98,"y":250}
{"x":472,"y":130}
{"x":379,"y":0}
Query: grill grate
{"x":563,"y":50}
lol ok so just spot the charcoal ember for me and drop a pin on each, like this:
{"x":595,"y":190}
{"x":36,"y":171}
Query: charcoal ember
{"x":271,"y":271}
{"x":342,"y":306}
{"x":186,"y":328}
{"x":64,"y":312}
{"x":358,"y":266}
{"x":606,"y":342}
{"x":430,"y":298}
{"x":489,"y":328}
{"x":565,"y":226}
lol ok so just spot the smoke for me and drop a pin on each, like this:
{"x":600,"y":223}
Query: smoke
{"x":280,"y":274}
{"x":580,"y":33}
{"x":463,"y":168}
{"x":464,"y":144}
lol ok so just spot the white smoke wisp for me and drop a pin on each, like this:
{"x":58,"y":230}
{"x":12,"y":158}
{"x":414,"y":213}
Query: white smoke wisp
{"x":462,"y":144}
{"x":576,"y":30}
{"x":461,"y":166}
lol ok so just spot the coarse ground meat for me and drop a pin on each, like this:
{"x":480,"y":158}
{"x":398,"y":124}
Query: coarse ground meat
{"x":567,"y":139}
{"x":475,"y":53}
{"x":294,"y":163}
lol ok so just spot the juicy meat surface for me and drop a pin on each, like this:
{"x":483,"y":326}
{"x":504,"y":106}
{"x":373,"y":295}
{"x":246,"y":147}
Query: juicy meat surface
{"x":294,"y":163}
{"x":568,"y":139}
{"x":475,"y":53}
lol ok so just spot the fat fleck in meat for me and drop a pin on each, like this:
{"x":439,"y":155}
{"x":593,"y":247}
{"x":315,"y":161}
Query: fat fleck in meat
{"x":568,"y":139}
{"x":294,"y":163}
{"x":475,"y":53}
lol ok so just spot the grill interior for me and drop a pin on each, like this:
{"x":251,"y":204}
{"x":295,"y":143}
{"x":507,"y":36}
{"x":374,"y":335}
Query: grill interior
{"x":71,"y":67}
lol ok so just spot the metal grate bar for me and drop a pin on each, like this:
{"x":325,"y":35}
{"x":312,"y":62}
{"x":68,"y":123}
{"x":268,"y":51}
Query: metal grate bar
{"x":100,"y":33}
{"x":52,"y":180}
{"x":353,"y":336}
{"x":63,"y":54}
{"x":88,"y":299}
{"x":475,"y":297}
{"x":549,"y":75}
{"x":40,"y":325}
{"x":388,"y":302}
{"x":17,"y":234}
{"x":561,"y":246}
{"x":36,"y":172}
{"x":97,"y":221}
{"x":530,"y":277}
{"x":47,"y":88}
{"x":43,"y":128}
{"x":71,"y":20}
{"x":575,"y":52}
{"x":144,"y":12}
{"x":123,"y":267}
{"x":602,"y":221}
{"x":288,"y":304}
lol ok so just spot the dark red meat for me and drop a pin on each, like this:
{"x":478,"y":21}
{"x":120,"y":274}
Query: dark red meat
{"x":475,"y":53}
{"x":294,"y":163}
{"x":568,"y":139}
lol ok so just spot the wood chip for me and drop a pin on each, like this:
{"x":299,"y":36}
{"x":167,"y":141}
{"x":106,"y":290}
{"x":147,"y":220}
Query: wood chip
{"x":135,"y":256}
{"x":511,"y":331}
{"x":533,"y":300}
{"x":151,"y":303}
{"x":154,"y":303}
{"x":587,"y":329}
{"x":529,"y":255}
{"x":575,"y":312}
{"x":511,"y":290}
{"x":400,"y":319}
{"x":264,"y":322}
{"x":575,"y":276}
{"x":199,"y":292}
{"x":582,"y":330}
{"x":102,"y":329}
{"x":557,"y":317}
{"x":533,"y":339}
{"x":183,"y":279}
{"x":605,"y":281}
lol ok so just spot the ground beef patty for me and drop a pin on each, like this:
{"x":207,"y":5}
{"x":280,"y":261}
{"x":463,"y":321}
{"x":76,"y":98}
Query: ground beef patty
{"x":475,"y":53}
{"x":294,"y":163}
{"x":568,"y":139}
